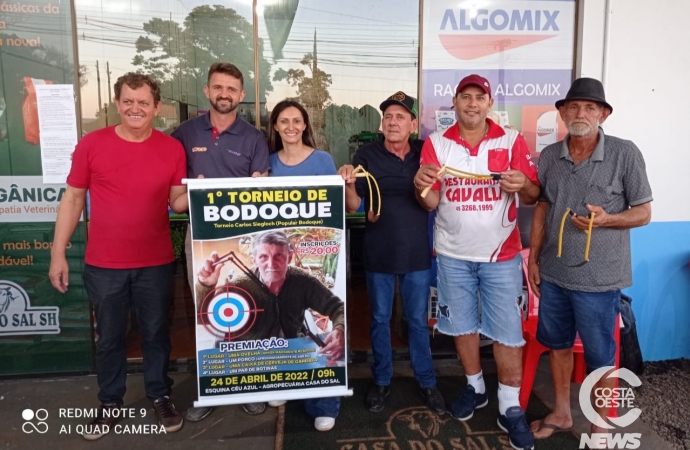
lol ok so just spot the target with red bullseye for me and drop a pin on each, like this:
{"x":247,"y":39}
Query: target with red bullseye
{"x":228,"y":311}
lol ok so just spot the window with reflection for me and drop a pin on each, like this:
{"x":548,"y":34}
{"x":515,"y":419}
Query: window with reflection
{"x":340,"y":60}
{"x":174,"y":41}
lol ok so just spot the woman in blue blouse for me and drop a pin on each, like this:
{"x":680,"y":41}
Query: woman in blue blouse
{"x":291,"y":144}
{"x":292,"y":153}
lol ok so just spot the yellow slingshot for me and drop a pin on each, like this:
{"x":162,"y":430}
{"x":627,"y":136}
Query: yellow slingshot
{"x":359,"y":172}
{"x":461,"y":174}
{"x":570,"y":212}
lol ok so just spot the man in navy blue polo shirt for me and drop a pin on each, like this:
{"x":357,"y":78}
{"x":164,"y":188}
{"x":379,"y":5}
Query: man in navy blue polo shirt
{"x":220,"y":144}
{"x":395,"y":246}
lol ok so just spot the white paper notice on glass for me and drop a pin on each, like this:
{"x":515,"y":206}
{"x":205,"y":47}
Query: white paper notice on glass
{"x":57,"y":124}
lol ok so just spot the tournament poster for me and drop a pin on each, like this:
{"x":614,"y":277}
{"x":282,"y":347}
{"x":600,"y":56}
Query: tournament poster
{"x":269,"y":276}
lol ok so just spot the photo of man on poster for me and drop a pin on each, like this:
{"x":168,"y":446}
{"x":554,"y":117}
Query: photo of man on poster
{"x":282,"y":294}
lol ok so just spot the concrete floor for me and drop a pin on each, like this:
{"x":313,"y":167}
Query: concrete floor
{"x":227,"y":427}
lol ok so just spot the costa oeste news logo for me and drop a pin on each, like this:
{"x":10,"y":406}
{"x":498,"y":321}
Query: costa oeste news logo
{"x":613,"y":398}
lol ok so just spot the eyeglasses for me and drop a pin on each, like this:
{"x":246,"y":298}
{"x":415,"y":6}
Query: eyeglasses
{"x":570,"y":212}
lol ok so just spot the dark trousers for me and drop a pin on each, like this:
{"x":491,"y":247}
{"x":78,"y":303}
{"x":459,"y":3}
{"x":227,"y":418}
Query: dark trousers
{"x":322,"y":407}
{"x":114,"y":292}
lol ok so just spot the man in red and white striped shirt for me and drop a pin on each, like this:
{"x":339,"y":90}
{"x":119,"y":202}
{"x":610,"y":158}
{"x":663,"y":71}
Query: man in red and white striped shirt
{"x":477,"y":242}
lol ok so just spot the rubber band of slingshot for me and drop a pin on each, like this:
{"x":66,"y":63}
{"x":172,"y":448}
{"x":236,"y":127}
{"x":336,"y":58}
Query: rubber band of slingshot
{"x":360,"y":171}
{"x":560,"y":232}
{"x":371,"y":194}
{"x":467,"y":175}
{"x":589,"y":235}
{"x":458,"y":174}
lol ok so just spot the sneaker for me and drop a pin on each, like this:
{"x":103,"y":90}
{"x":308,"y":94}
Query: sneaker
{"x":277,"y":403}
{"x":324,"y":423}
{"x":514,"y":422}
{"x":100,"y":426}
{"x":254,"y":409}
{"x":376,"y":398}
{"x":197,"y":414}
{"x":463,"y":408}
{"x":434,"y":400}
{"x":167,"y":414}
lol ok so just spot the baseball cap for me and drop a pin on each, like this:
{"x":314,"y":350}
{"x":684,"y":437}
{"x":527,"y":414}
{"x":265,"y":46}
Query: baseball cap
{"x":402,"y":99}
{"x":474,"y":80}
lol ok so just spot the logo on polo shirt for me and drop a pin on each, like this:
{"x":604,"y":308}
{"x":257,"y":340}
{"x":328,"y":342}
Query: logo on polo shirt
{"x":233,"y":152}
{"x":198,"y":149}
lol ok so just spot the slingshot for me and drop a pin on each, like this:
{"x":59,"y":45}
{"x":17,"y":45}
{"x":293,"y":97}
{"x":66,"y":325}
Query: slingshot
{"x":461,"y":174}
{"x":359,"y":172}
{"x":232,"y":257}
{"x":570,"y":212}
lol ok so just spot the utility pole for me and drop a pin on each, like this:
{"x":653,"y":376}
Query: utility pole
{"x":107,"y":71}
{"x":313,"y":70}
{"x":100,"y":104}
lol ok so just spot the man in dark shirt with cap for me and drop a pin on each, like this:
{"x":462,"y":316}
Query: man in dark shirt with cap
{"x":396,"y":245}
{"x":594,"y":190}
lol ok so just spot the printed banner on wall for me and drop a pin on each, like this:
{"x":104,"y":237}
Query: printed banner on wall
{"x":41,"y":330}
{"x":525,"y":50}
{"x":35,"y":50}
{"x":57,"y":121}
{"x":27,"y":199}
{"x":269,"y":265}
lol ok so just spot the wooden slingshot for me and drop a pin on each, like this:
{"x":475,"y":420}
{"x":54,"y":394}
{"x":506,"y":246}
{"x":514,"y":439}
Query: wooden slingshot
{"x":461,"y":174}
{"x":359,"y":172}
{"x":570,"y":212}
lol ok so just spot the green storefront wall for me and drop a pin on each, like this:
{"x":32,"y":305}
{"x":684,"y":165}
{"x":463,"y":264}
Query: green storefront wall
{"x":41,"y":330}
{"x":70,"y":350}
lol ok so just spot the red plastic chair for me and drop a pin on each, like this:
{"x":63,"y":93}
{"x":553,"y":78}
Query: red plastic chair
{"x":533,"y":349}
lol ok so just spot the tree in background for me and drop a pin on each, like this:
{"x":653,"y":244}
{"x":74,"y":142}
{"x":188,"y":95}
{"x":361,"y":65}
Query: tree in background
{"x":179,"y":55}
{"x":83,"y":75}
{"x":312,"y":92}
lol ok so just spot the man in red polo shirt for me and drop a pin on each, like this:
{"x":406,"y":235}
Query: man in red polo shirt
{"x":133,"y":173}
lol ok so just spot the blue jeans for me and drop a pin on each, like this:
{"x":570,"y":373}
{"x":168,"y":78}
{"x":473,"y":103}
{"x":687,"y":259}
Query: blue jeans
{"x":322,"y":407}
{"x":113,"y":292}
{"x":564,"y":312}
{"x":497,"y":286}
{"x":414,"y":288}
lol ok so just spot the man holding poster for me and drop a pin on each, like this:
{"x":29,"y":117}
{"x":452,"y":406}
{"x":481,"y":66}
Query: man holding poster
{"x":220,"y":144}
